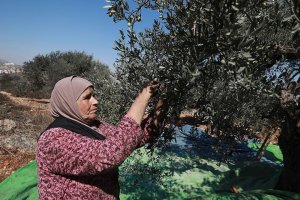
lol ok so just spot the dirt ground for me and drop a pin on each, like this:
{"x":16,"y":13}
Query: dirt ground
{"x":21,"y":122}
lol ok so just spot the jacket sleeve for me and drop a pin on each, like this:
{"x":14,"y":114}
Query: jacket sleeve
{"x":151,"y":132}
{"x":60,"y":151}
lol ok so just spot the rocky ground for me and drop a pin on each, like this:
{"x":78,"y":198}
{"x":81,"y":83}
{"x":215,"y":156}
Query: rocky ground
{"x":21,"y":122}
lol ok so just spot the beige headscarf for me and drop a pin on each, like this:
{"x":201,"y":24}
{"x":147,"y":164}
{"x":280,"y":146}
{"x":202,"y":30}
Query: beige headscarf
{"x":64,"y":96}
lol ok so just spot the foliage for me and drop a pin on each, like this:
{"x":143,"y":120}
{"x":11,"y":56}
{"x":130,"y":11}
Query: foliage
{"x":6,"y":79}
{"x":211,"y":56}
{"x":14,"y":83}
{"x":44,"y":71}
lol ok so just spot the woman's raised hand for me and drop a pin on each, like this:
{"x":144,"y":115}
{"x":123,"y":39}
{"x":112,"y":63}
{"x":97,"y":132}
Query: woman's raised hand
{"x":149,"y":89}
{"x":137,"y":109}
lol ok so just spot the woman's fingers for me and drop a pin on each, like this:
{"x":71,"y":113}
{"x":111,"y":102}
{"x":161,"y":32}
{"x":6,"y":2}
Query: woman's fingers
{"x":154,"y":87}
{"x":150,"y":87}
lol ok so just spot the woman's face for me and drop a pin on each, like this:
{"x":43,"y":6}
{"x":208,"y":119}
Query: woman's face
{"x":87,"y":105}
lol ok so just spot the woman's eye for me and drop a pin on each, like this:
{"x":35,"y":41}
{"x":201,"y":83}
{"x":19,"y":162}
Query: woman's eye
{"x":87,"y":97}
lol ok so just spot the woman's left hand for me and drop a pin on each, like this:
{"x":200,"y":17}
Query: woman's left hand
{"x":150,"y":89}
{"x":137,"y":109}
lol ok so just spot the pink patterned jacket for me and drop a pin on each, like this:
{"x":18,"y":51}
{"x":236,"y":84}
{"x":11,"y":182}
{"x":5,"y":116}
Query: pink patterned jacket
{"x":72,"y":166}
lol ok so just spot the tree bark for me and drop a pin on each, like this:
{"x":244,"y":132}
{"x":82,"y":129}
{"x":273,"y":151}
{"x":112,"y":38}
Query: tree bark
{"x":289,"y":142}
{"x":263,"y":147}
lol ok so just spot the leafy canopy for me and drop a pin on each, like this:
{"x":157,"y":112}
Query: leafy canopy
{"x":210,"y":55}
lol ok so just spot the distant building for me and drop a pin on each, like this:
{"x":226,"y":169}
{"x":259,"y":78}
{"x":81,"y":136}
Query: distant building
{"x":10,"y":68}
{"x":8,"y":64}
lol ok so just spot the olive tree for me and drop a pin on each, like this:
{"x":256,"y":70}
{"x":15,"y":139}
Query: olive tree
{"x":218,"y":57}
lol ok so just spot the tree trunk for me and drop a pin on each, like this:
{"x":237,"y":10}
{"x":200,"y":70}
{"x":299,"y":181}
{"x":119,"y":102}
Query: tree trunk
{"x":263,"y":147}
{"x":289,"y":142}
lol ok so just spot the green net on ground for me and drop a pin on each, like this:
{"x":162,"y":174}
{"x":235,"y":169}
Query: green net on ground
{"x":188,"y":178}
{"x":272,"y":152}
{"x":22,"y":184}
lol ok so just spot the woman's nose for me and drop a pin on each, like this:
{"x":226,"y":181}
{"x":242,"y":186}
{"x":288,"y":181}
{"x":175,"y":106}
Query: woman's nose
{"x":94,"y":101}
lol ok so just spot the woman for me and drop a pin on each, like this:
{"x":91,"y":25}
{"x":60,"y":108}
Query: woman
{"x":77,"y":155}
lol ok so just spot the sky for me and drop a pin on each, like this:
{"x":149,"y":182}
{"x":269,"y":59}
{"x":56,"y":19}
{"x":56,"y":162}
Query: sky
{"x":37,"y":27}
